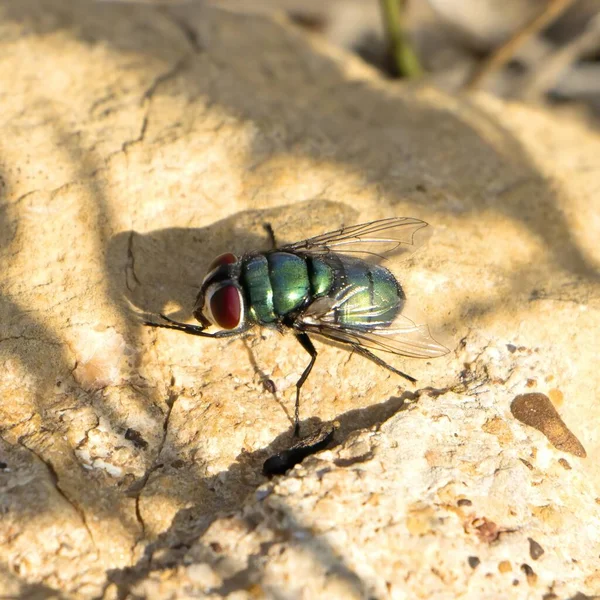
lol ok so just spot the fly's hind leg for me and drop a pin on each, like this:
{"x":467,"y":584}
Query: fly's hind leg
{"x":381,"y":362}
{"x":269,"y":229}
{"x":307,"y":344}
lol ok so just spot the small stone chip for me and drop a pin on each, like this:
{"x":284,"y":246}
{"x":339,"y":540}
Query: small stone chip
{"x":529,"y":573}
{"x":537,"y":411}
{"x":269,"y":386}
{"x":504,"y":566}
{"x":136,"y":438}
{"x":535,"y":550}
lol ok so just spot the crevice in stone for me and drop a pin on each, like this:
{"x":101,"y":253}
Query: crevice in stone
{"x":14,"y":425}
{"x":12,"y":338}
{"x":190,"y":34}
{"x":140,"y":138}
{"x":163,"y":78}
{"x":56,"y":481}
{"x":87,"y":433}
{"x":130,"y":266}
{"x":139,"y":487}
{"x":146,"y":99}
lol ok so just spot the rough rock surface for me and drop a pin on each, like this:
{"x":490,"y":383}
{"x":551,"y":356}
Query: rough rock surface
{"x":137,"y":143}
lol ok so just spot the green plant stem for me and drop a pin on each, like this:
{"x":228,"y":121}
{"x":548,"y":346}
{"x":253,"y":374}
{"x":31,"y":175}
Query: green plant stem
{"x":405,"y":59}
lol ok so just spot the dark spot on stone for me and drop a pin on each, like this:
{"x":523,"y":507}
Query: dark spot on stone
{"x":278,"y":464}
{"x":531,"y":383}
{"x":511,"y":348}
{"x":526,"y":569}
{"x":310,"y":21}
{"x":527,"y":464}
{"x":515,"y":582}
{"x":3,"y":466}
{"x":269,"y":386}
{"x":464,"y":502}
{"x":420,"y":188}
{"x":473,"y":561}
{"x":535,"y":550}
{"x":136,"y":437}
{"x":536,"y":410}
{"x":564,"y":464}
{"x":181,"y":546}
{"x":177,"y":464}
{"x":529,"y":573}
{"x":216,"y":547}
{"x":550,"y":596}
{"x":487,"y":530}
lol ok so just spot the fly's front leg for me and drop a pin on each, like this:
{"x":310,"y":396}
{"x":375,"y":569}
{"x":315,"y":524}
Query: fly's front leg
{"x":307,"y":344}
{"x":193,"y":329}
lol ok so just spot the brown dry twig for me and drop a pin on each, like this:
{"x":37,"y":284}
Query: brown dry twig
{"x":508,"y":49}
{"x":545,"y":76}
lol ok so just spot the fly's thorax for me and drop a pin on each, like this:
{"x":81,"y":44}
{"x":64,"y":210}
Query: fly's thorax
{"x":257,"y":288}
{"x":221,"y":299}
{"x":279,"y":283}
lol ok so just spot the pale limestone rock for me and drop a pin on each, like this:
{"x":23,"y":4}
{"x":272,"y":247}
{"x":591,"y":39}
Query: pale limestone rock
{"x":137,"y":143}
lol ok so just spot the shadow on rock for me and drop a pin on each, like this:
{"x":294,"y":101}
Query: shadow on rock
{"x":231,"y":488}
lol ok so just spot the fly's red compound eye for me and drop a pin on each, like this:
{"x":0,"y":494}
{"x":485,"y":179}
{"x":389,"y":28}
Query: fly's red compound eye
{"x":223,"y":259}
{"x":226,"y":307}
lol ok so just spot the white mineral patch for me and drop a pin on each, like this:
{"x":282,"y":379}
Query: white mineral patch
{"x":101,"y":355}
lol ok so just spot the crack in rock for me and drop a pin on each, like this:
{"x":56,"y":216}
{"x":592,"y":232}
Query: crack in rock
{"x":138,"y":488}
{"x":56,"y":481}
{"x":130,"y":265}
{"x":188,"y":31}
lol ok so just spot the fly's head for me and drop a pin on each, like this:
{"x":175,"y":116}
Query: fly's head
{"x":220,"y":301}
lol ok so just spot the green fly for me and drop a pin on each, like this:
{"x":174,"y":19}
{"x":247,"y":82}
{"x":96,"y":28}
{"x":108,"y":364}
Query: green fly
{"x":331,"y":285}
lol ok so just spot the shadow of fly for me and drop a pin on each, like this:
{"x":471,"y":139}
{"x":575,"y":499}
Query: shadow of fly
{"x":331,"y":285}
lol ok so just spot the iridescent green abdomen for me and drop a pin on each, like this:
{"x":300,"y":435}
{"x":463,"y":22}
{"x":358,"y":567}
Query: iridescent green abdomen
{"x":374,"y":296}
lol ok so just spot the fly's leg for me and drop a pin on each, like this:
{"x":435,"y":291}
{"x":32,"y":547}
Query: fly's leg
{"x":307,"y":344}
{"x":381,"y":362}
{"x":192,"y":329}
{"x":269,"y":229}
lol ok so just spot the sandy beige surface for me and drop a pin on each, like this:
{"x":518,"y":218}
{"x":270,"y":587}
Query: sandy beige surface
{"x":136,"y":144}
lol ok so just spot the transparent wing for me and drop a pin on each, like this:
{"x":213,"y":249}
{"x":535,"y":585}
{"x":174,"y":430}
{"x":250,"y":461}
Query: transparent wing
{"x":377,"y":239}
{"x":405,"y":335}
